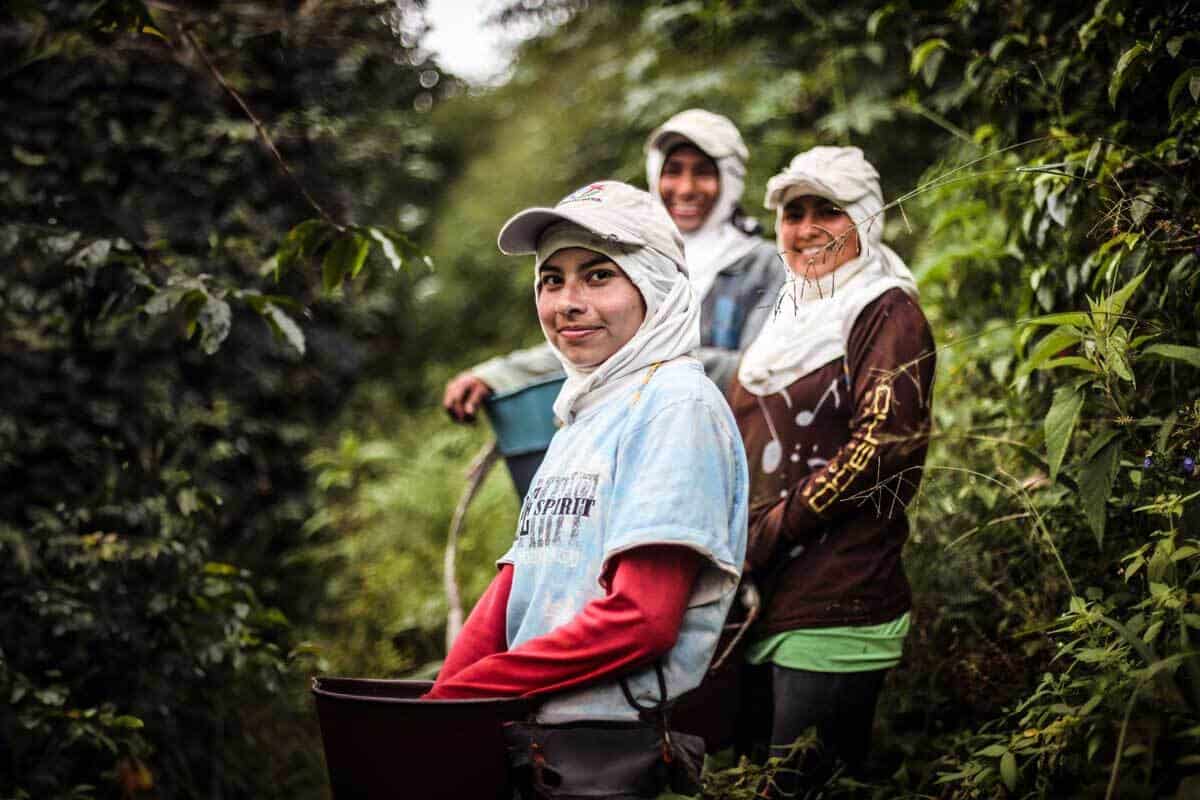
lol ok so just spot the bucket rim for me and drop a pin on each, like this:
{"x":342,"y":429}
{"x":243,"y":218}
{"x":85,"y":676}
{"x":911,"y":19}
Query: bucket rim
{"x":507,"y":704}
{"x":525,"y":387}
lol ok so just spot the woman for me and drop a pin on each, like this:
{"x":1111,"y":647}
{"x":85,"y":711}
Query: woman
{"x":695,"y":166}
{"x":833,"y":403}
{"x":631,"y":539}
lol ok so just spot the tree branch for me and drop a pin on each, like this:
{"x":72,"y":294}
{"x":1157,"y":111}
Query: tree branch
{"x":480,"y":466}
{"x":260,"y":128}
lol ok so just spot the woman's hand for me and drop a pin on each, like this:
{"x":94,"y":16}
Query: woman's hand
{"x":464,"y":395}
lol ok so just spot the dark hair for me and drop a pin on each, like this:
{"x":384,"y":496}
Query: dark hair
{"x":686,"y":142}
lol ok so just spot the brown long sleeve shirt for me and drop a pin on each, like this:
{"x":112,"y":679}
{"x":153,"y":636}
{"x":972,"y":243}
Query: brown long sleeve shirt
{"x":827,"y":502}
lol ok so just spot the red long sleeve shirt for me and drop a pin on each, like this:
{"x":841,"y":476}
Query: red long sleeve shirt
{"x":636,"y":622}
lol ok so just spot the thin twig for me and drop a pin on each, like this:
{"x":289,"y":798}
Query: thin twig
{"x":480,"y":466}
{"x":262,"y":131}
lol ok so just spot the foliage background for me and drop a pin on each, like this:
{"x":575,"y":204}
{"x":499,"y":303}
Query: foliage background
{"x":222,"y":461}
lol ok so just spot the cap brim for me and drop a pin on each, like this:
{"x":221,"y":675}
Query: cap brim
{"x":519,"y":235}
{"x":711,"y":146}
{"x":806,"y":185}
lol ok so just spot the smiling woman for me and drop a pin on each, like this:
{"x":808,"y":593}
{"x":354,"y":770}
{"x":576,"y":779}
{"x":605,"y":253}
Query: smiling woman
{"x":630,"y":541}
{"x":689,"y":186}
{"x":833,"y":402}
{"x":816,"y":236}
{"x":587,"y":306}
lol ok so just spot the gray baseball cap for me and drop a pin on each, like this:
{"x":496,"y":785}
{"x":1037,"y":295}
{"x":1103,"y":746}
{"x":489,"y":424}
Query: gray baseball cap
{"x":615,"y":212}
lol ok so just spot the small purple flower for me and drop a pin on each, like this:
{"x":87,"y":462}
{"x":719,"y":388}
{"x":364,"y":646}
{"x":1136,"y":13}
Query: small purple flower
{"x":1189,"y":464}
{"x":1147,"y":462}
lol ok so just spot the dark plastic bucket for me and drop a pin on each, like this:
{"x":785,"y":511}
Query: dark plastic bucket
{"x":523,"y":421}
{"x":383,"y":743}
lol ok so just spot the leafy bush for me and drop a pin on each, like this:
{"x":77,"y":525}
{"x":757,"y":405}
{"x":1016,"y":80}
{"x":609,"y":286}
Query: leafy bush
{"x":166,"y":376}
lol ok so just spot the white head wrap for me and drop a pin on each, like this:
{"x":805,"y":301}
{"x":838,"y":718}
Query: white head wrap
{"x":717,"y":243}
{"x":670,"y":330}
{"x":813,"y":317}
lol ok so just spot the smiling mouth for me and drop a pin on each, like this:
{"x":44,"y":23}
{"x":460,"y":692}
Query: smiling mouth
{"x":687,"y":210}
{"x":812,"y":252}
{"x":575,"y":334}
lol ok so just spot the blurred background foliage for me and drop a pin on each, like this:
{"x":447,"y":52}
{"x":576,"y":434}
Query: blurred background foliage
{"x":223,"y":464}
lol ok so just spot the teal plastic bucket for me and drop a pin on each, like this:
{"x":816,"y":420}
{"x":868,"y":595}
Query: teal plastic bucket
{"x":523,"y":421}
{"x":384,"y":743}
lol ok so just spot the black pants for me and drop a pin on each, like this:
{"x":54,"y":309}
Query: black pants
{"x":783,"y":703}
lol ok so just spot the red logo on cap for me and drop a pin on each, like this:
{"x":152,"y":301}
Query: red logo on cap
{"x":588,"y":192}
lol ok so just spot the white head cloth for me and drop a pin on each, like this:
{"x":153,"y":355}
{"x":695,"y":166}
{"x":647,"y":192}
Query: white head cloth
{"x":717,"y":243}
{"x":670,"y":330}
{"x":813,"y":317}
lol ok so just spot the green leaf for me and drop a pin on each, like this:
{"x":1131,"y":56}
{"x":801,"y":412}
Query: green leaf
{"x":362,"y":246}
{"x":1187,"y":551}
{"x":127,"y":721}
{"x":165,"y":299}
{"x":1140,"y":208}
{"x":1121,"y":73}
{"x":1008,"y":770}
{"x":388,"y":247}
{"x":28,"y":157}
{"x":215,"y":319}
{"x":1115,"y":348}
{"x":1060,"y":424}
{"x":331,"y":268}
{"x":284,"y":326}
{"x":302,"y":241}
{"x":1066,"y":318}
{"x":1093,"y":702}
{"x":93,"y":256}
{"x":188,"y":501}
{"x":1175,"y":352}
{"x":1001,"y":44}
{"x":344,"y":258}
{"x":926,"y":59}
{"x":1096,"y":479}
{"x":877,"y":17}
{"x":1114,"y":304}
{"x":1093,"y":655}
{"x":992,"y":751}
{"x":1093,"y":156}
{"x":1078,"y":362}
{"x":1051,"y":344}
{"x":1187,"y":79}
{"x":1164,"y":431}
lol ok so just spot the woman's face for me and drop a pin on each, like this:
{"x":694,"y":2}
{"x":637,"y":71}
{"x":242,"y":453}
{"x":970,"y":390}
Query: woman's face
{"x":817,"y":236}
{"x":587,"y":306}
{"x":688,"y":185}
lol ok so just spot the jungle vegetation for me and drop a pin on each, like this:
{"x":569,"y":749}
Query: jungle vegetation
{"x":246,"y":243}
